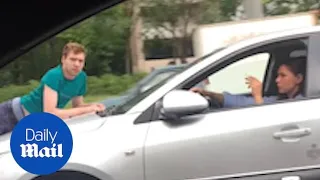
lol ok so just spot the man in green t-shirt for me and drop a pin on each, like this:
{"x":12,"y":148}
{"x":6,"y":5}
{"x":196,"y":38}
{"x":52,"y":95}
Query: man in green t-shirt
{"x":61,"y":84}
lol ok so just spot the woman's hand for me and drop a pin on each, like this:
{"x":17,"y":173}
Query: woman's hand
{"x":256,"y":88}
{"x":198,"y":90}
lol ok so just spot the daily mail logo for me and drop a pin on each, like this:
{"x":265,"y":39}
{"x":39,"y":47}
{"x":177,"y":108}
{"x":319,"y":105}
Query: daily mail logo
{"x":32,"y":150}
{"x":42,"y":139}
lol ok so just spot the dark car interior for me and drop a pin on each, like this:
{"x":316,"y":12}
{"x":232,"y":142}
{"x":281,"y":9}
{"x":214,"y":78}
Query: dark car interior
{"x":279,"y":53}
{"x":282,"y":52}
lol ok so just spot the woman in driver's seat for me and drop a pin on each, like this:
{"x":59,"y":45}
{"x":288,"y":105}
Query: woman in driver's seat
{"x":290,"y":81}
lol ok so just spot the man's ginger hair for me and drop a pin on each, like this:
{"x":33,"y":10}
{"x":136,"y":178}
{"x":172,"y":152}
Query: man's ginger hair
{"x":73,"y":47}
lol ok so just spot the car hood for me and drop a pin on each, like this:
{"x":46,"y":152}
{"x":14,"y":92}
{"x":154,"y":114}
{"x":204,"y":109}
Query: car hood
{"x":77,"y":125}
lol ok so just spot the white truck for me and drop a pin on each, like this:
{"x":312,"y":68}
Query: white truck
{"x":207,"y":38}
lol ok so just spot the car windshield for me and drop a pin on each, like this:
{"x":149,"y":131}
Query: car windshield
{"x":157,"y":79}
{"x":152,"y":79}
{"x":135,"y":100}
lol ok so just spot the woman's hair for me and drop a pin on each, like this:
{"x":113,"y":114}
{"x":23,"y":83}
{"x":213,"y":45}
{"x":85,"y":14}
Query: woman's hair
{"x":297,"y":66}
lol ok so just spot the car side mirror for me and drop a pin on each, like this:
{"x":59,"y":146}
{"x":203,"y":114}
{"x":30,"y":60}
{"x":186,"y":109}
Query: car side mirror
{"x":180,"y":103}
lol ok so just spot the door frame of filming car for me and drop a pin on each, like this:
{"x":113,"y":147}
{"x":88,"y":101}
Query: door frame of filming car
{"x":199,"y":71}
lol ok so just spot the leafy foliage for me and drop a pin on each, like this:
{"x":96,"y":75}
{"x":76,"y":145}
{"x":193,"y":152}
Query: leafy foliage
{"x":281,"y":7}
{"x":107,"y":84}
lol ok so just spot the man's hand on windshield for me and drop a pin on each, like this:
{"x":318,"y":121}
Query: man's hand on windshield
{"x":99,"y":107}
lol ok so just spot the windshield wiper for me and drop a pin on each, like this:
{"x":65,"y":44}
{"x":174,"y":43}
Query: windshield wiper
{"x":107,"y":112}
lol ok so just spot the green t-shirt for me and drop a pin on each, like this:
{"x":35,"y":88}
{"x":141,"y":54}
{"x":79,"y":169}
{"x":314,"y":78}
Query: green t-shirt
{"x":66,"y":89}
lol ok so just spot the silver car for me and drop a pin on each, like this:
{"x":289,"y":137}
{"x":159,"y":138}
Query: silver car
{"x":171,"y":133}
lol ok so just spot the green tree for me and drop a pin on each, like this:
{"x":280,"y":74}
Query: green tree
{"x":33,"y":64}
{"x":281,"y":7}
{"x":177,"y":19}
{"x":105,"y":36}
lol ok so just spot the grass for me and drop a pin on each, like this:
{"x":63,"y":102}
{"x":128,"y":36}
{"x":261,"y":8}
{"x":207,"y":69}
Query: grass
{"x":91,"y":98}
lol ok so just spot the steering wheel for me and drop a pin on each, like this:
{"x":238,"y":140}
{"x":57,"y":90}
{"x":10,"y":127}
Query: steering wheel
{"x":213,"y":103}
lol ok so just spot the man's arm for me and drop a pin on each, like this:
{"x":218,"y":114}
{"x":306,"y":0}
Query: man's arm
{"x":79,"y":102}
{"x":50,"y":100}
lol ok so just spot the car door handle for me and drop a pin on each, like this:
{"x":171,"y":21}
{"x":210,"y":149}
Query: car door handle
{"x":293,"y":133}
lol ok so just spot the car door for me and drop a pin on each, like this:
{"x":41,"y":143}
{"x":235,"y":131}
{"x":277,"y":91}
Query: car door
{"x":224,"y":142}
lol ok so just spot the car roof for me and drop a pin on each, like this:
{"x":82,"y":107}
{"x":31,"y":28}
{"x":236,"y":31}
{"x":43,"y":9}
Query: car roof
{"x":25,"y":24}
